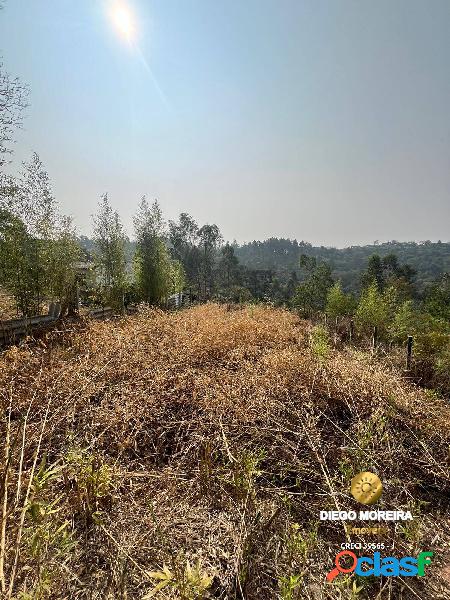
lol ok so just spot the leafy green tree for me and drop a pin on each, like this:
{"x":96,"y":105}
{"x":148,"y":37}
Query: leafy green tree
{"x":339,"y":304}
{"x":311,"y":295}
{"x":209,"y":242}
{"x":63,"y":254}
{"x":183,"y":239}
{"x":374,"y":273}
{"x":290,"y":287}
{"x":45,"y":248}
{"x":17,"y":262}
{"x":228,"y":267}
{"x":177,"y":277}
{"x":375,"y":309}
{"x":155,"y":274}
{"x":437,"y":297}
{"x":387,"y":272}
{"x":110,"y":253}
{"x":406,"y":322}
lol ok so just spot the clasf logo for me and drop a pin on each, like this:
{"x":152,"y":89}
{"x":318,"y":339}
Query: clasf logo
{"x":389,"y":566}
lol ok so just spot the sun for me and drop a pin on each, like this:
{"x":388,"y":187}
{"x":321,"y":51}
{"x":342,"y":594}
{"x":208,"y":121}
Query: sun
{"x":123,"y":20}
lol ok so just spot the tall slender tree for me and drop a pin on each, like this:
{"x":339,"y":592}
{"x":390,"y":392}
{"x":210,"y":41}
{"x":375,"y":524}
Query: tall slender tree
{"x":210,"y":240}
{"x":110,"y":252}
{"x":153,"y":266}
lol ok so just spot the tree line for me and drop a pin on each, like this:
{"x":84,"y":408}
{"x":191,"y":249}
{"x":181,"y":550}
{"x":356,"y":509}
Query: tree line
{"x":399,"y":288}
{"x":387,"y":305}
{"x":429,"y":259}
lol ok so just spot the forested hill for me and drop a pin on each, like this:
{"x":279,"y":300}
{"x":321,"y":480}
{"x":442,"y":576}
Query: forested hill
{"x":430,"y":259}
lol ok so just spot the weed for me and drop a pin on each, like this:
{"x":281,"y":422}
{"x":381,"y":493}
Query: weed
{"x":191,"y":583}
{"x":288,"y":584}
{"x":92,"y":482}
{"x":320,"y":343}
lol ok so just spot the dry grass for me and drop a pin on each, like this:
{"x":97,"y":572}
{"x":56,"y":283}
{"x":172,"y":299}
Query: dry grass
{"x":8,"y":308}
{"x":214,"y":436}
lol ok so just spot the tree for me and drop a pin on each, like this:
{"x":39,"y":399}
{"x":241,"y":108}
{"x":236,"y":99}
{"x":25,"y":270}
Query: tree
{"x":228,"y":267}
{"x":17,"y":264}
{"x":183,"y":239}
{"x":437,"y":297}
{"x":311,"y":295}
{"x":373,"y":273}
{"x":339,"y":304}
{"x":110,"y":253}
{"x":13,"y":102}
{"x":388,"y":272}
{"x":375,"y":309}
{"x":45,"y":248}
{"x":209,"y":241}
{"x":406,"y":321}
{"x":177,"y":277}
{"x":156,"y":275}
{"x":64,"y":252}
{"x":291,"y":286}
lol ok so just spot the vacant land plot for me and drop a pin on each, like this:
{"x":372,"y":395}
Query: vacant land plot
{"x":187,"y":455}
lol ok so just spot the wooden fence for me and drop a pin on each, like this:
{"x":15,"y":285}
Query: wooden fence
{"x":16,"y":329}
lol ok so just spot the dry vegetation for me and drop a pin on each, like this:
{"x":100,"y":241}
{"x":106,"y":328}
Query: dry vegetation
{"x":187,"y":455}
{"x":8,"y":309}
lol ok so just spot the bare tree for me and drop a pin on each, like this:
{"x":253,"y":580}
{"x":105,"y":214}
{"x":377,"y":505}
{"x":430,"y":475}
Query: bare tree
{"x":13,"y":101}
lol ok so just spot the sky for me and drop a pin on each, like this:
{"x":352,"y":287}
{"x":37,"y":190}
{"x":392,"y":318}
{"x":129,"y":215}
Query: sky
{"x":327,"y":121}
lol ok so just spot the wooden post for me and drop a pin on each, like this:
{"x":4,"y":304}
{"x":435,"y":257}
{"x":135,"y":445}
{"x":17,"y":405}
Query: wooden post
{"x":374,"y":338}
{"x":409,"y":353}
{"x":352,"y":328}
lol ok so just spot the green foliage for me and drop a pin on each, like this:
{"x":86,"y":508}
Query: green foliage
{"x":288,"y":584}
{"x":311,"y":295}
{"x":48,"y":536}
{"x":339,"y":304}
{"x":209,"y":242}
{"x":431,"y":347}
{"x":110,"y":253}
{"x":245,"y":471}
{"x":38,"y":248}
{"x":407,"y":321}
{"x":428,"y":259}
{"x":375,"y":309}
{"x":320,"y":343}
{"x":437,"y":298}
{"x":177,"y":277}
{"x":228,"y":267}
{"x":93,"y":482}
{"x":191,"y":583}
{"x":157,"y":276}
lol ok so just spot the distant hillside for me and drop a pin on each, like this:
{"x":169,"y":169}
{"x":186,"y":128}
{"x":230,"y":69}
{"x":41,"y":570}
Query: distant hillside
{"x":430,"y":259}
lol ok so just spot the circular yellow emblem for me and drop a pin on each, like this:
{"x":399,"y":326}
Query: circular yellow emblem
{"x":366,"y":487}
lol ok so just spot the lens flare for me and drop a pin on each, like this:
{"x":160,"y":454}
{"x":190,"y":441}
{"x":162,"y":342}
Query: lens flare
{"x":123,"y":20}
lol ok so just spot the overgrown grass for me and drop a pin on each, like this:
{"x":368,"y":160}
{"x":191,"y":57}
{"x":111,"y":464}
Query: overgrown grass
{"x":187,"y":455}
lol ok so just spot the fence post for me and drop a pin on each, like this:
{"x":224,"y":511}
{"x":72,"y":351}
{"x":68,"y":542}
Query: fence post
{"x":409,"y":353}
{"x":351,"y":332}
{"x":374,"y":338}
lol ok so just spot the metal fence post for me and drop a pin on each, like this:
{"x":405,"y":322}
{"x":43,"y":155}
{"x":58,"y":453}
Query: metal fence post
{"x":409,"y":353}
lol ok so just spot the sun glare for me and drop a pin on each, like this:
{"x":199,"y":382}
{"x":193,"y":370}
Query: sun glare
{"x":123,"y":20}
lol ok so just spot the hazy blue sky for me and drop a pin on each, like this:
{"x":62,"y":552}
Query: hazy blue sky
{"x":328,"y":121}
